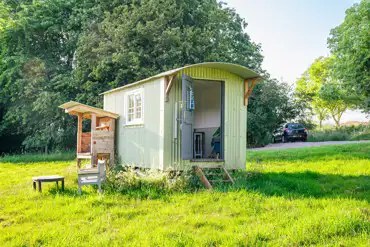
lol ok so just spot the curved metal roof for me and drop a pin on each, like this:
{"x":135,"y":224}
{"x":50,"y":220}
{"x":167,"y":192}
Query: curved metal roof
{"x":239,"y":70}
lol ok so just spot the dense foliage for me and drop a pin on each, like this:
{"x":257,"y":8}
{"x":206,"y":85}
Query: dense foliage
{"x":331,"y":85}
{"x":322,"y":92}
{"x":53,"y":51}
{"x":349,"y":43}
{"x":36,"y":70}
{"x":265,"y":114}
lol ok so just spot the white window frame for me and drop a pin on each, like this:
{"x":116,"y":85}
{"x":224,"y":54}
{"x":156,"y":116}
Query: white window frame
{"x":135,"y":120}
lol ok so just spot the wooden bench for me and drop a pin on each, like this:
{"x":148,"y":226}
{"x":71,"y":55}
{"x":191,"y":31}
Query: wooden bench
{"x":47,"y":179}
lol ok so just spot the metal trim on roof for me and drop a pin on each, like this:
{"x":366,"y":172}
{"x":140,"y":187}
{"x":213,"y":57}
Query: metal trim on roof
{"x":239,"y":70}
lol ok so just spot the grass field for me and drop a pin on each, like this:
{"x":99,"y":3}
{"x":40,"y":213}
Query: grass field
{"x":296,"y":197}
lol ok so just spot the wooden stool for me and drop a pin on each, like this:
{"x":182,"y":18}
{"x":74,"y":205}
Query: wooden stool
{"x":47,"y":179}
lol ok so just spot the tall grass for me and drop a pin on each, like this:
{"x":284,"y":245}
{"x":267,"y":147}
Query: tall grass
{"x":38,"y":157}
{"x":315,"y":196}
{"x":343,"y":133}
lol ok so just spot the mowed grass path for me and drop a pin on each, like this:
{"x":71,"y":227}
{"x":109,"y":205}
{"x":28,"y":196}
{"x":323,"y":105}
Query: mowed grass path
{"x":312,"y":196}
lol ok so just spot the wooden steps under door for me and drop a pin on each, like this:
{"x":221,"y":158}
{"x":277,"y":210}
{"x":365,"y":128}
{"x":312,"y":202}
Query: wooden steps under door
{"x":213,"y":175}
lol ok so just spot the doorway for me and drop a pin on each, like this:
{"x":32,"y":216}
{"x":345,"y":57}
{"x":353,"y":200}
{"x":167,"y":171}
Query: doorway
{"x":208,"y":119}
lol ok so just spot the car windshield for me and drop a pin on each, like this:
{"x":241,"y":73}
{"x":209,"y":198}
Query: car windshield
{"x":296,"y":126}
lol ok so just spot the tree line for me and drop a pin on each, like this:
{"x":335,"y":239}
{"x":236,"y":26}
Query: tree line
{"x":341,"y":81}
{"x":53,"y":51}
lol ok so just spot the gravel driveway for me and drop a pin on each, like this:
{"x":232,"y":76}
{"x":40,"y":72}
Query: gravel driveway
{"x":302,"y":144}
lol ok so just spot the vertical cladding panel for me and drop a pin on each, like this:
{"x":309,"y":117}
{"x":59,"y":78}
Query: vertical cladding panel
{"x":161,"y":125}
{"x":235,"y":118}
{"x":243,"y":137}
{"x":167,"y":134}
{"x":138,"y":145}
{"x":109,"y":102}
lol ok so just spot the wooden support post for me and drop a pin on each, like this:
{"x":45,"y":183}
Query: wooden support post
{"x":97,"y":123}
{"x":93,"y":149}
{"x":79,"y":132}
{"x":169,"y":80}
{"x":112,"y":154}
{"x":227,"y":175}
{"x":249,"y":84}
{"x":202,"y":177}
{"x":166,"y":82}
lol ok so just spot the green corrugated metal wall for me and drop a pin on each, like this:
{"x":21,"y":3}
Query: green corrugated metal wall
{"x":234,"y":119}
{"x":140,"y":145}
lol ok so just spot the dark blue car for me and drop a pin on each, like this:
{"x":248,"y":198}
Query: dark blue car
{"x":290,"y":132}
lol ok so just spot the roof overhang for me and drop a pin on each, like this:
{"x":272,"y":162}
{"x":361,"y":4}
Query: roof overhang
{"x":239,"y":70}
{"x":76,"y":108}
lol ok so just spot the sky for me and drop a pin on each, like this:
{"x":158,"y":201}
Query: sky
{"x":292,"y":34}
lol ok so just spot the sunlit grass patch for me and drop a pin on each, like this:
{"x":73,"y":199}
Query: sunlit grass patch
{"x":298,"y":197}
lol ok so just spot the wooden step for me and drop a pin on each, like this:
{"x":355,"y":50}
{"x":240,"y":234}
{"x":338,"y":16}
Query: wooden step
{"x":215,"y":174}
{"x":220,"y":181}
{"x":202,"y":177}
{"x":203,"y":173}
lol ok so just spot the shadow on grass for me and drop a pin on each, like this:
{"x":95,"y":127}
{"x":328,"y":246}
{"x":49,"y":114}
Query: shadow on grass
{"x":309,"y":154}
{"x":302,"y":184}
{"x":290,"y":185}
{"x":72,"y":191}
{"x":136,"y":193}
{"x":66,"y":192}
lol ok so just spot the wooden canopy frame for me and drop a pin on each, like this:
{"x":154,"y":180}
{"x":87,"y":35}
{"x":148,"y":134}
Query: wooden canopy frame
{"x":76,"y":108}
{"x":101,"y":138}
{"x":168,"y":84}
{"x":249,"y":84}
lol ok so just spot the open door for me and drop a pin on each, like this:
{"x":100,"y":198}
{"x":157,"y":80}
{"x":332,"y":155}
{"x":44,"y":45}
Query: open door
{"x":187,"y":118}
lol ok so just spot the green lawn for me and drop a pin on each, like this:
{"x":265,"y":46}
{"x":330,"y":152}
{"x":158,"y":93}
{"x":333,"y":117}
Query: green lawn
{"x":310,"y":196}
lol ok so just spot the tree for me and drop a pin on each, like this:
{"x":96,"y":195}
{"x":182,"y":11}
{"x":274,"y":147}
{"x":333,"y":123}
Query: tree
{"x":265,"y":115}
{"x":349,"y":43}
{"x":333,"y":97}
{"x":319,"y":109}
{"x":309,"y":85}
{"x":143,"y":38}
{"x":36,"y":54}
{"x":322,"y":91}
{"x":52,"y":51}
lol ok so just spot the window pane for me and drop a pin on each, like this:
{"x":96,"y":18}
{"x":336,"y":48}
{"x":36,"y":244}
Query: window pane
{"x":138,"y":114}
{"x":138,"y":106}
{"x":130,"y":114}
{"x":130,"y":108}
{"x":131,"y":101}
